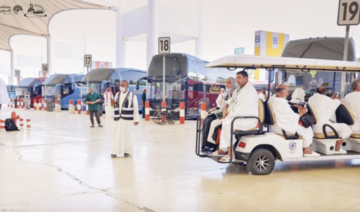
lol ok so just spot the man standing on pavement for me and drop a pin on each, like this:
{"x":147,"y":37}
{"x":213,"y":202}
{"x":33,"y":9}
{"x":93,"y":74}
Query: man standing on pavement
{"x":143,"y":100}
{"x":126,"y":119}
{"x":92,"y":100}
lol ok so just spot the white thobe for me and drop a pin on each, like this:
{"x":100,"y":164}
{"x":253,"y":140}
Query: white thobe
{"x":220,"y":100}
{"x":288,"y":120}
{"x":123,"y":130}
{"x":27,"y":101}
{"x":109,"y":110}
{"x":324,"y":108}
{"x":298,"y":96}
{"x":352,"y":101}
{"x":217,"y":122}
{"x":4,"y":96}
{"x":244,"y":103}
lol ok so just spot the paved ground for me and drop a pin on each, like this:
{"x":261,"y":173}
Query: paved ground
{"x":63,"y":165}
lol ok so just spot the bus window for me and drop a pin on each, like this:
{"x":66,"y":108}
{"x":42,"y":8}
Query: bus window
{"x":67,"y":90}
{"x":115,"y":78}
{"x":192,"y":73}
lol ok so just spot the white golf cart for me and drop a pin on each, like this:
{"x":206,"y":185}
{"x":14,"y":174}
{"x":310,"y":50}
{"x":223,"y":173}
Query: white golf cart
{"x":258,"y":149}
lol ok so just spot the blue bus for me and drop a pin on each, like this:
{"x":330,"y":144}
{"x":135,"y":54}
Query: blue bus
{"x":64,"y":87}
{"x":11,"y":89}
{"x":100,"y":79}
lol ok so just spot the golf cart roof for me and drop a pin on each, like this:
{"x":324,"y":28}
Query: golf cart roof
{"x":280,"y":63}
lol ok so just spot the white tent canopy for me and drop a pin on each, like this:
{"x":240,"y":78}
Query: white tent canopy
{"x":249,"y":61}
{"x":25,"y":17}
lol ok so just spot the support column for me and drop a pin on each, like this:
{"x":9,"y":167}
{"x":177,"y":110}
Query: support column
{"x":152,"y":31}
{"x":12,"y":65}
{"x":200,"y":40}
{"x":120,"y":42}
{"x":49,"y":55}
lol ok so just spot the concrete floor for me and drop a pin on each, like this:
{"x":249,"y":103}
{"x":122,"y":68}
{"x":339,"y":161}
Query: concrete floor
{"x":63,"y":165}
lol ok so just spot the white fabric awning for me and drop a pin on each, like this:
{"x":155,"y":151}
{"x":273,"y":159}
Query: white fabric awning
{"x":32,"y":17}
{"x":299,"y":64}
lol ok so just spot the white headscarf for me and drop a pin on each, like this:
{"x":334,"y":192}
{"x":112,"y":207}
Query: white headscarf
{"x":298,"y":96}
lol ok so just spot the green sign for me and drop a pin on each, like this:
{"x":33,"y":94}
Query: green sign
{"x":240,"y":50}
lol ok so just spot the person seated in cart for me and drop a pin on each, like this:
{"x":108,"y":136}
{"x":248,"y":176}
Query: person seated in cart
{"x":244,"y":103}
{"x":231,"y":86}
{"x":352,"y":101}
{"x":288,"y":120}
{"x":324,"y":107}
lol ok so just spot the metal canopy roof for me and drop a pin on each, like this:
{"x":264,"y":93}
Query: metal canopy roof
{"x":55,"y":79}
{"x":32,"y":17}
{"x":320,"y":48}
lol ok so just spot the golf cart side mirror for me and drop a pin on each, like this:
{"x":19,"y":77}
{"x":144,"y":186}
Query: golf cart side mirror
{"x":138,"y":83}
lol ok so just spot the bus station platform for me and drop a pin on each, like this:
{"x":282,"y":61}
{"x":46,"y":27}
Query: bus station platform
{"x":62,"y":164}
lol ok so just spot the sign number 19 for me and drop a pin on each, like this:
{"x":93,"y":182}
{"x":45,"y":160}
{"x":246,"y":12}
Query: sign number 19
{"x":349,"y":12}
{"x":353,"y":9}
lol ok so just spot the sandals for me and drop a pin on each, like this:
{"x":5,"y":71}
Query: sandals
{"x":216,"y":154}
{"x":225,"y":159}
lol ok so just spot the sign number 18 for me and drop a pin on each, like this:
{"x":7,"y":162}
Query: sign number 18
{"x":164,"y":45}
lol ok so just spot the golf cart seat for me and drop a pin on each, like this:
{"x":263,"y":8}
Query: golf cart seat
{"x":261,"y":117}
{"x":270,"y":119}
{"x":344,"y":115}
{"x":324,"y":134}
{"x":355,"y":136}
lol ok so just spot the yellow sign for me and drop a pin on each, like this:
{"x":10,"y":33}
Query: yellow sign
{"x":215,"y":89}
{"x":269,"y":44}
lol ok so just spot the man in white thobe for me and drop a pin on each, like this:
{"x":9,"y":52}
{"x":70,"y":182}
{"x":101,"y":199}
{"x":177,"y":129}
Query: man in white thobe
{"x":108,"y":96}
{"x":27,"y":100}
{"x":324,"y":108}
{"x":352,"y":101}
{"x":244,"y":103}
{"x":4,"y":97}
{"x":288,"y":120}
{"x":128,"y":118}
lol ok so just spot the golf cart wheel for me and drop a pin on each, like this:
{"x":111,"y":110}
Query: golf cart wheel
{"x":261,"y":162}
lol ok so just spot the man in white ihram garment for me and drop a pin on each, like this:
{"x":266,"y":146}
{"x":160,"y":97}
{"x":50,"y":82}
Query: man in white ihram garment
{"x":352,"y":101}
{"x":288,"y":120}
{"x":108,"y":96}
{"x":4,"y":98}
{"x":128,"y":118}
{"x":324,"y":108}
{"x":244,"y":103}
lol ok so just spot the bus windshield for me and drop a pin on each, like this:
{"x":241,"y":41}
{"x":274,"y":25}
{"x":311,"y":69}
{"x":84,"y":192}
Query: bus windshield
{"x":311,"y":80}
{"x":172,"y":90}
{"x":50,"y":90}
{"x":22,"y":91}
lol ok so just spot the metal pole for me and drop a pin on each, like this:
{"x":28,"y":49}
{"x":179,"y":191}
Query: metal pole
{"x":87,"y":79}
{"x":343,"y":75}
{"x":164,"y":77}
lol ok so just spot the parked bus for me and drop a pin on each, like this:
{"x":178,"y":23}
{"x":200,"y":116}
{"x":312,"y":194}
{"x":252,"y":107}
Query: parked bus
{"x":11,"y":89}
{"x":100,"y":79}
{"x":186,"y":80}
{"x":318,"y":48}
{"x":31,"y":85}
{"x":64,"y":88}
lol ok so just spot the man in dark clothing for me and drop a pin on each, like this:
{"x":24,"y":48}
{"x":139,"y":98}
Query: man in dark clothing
{"x":92,"y":100}
{"x":143,"y":100}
